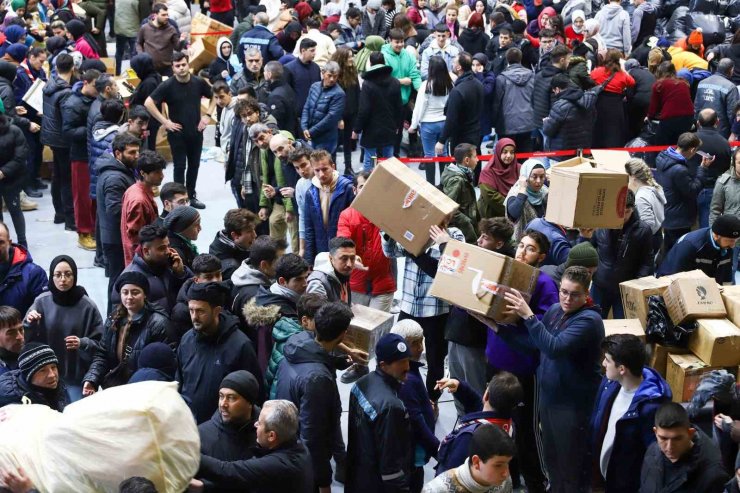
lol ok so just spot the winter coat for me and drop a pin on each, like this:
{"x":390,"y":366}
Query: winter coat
{"x":458,"y":186}
{"x":282,"y":103}
{"x":202,"y":362}
{"x":58,"y":322}
{"x":377,"y":28}
{"x":473,"y":41}
{"x":542,"y":96}
{"x":720,"y":94}
{"x":559,"y":244}
{"x":25,"y":76}
{"x":54,"y":92}
{"x":307,"y":378}
{"x":323,"y":280}
{"x":283,"y":330}
{"x":642,"y":92}
{"x":462,"y":125}
{"x":7,"y":95}
{"x":644,"y":19}
{"x":323,"y":109}
{"x":731,"y":51}
{"x":317,"y":234}
{"x":570,"y":123}
{"x":680,"y":188}
{"x":138,"y":209}
{"x":13,"y":152}
{"x":726,"y":196}
{"x":349,"y":37}
{"x":622,"y":254}
{"x":150,"y":80}
{"x":24,"y":280}
{"x":225,"y":441}
{"x":378,"y":279}
{"x":715,"y":144}
{"x":113,"y":180}
{"x":514,"y":88}
{"x":163,"y":285}
{"x":633,"y":431}
{"x":615,"y":27}
{"x":180,"y":14}
{"x":151,"y":326}
{"x":379,"y":457}
{"x":158,"y":42}
{"x":247,"y":281}
{"x":183,"y":248}
{"x":700,"y":471}
{"x":262,"y":38}
{"x":221,"y":64}
{"x":488,"y":79}
{"x":448,"y":54}
{"x":15,"y":390}
{"x":421,"y":414}
{"x":404,"y":65}
{"x":380,"y":112}
{"x":301,"y":76}
{"x":128,"y":16}
{"x":75,"y":108}
{"x":698,"y":250}
{"x":229,"y":253}
{"x":103,"y":133}
{"x":650,"y":206}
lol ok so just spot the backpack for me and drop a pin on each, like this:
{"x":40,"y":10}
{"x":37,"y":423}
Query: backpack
{"x":445,"y":446}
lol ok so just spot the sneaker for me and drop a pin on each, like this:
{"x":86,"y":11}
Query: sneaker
{"x":27,"y":205}
{"x":58,"y":219}
{"x":396,"y":306}
{"x":197,"y":203}
{"x":86,"y":242}
{"x":70,"y":227}
{"x":354,"y":373}
{"x":33,"y":193}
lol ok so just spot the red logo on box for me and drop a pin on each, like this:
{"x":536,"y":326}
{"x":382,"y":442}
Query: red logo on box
{"x":621,"y":202}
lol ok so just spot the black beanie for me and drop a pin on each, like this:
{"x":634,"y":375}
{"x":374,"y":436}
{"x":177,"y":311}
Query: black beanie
{"x":212,"y":292}
{"x":33,"y":357}
{"x":159,"y":356}
{"x":243,"y":383}
{"x":727,"y":226}
{"x":135,"y":278}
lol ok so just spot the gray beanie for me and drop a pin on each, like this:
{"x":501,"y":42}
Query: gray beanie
{"x":181,"y":218}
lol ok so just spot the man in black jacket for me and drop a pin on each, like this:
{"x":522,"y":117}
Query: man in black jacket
{"x":380,"y":111}
{"x":542,"y":95}
{"x":281,"y":461}
{"x":569,"y":124}
{"x":232,"y":243}
{"x":307,"y":377}
{"x":714,"y":144}
{"x":378,"y":456}
{"x":462,"y":126}
{"x":281,"y":100}
{"x":684,"y":459}
{"x":206,"y":268}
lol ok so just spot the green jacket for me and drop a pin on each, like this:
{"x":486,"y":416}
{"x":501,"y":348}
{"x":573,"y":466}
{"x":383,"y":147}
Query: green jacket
{"x":459,"y":187}
{"x":128,"y":17}
{"x":279,"y":180}
{"x":490,"y":202}
{"x":283,"y":329}
{"x":403,"y":65}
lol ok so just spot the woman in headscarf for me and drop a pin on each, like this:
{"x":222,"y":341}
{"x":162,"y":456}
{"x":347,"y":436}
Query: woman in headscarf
{"x":130,"y":327}
{"x":68,"y":321}
{"x":473,"y":38}
{"x":84,"y":42}
{"x":372,"y":43}
{"x":574,"y":31}
{"x":527,"y":199}
{"x":497,"y":178}
{"x":304,"y":11}
{"x":591,"y":32}
{"x":143,"y":65}
{"x":488,"y":79}
{"x":13,"y":34}
{"x":543,"y":21}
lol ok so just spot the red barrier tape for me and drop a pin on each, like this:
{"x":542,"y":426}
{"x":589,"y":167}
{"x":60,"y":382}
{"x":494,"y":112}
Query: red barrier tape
{"x":213,"y":33}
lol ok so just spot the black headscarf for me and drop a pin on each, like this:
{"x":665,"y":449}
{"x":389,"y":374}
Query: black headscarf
{"x":75,"y":293}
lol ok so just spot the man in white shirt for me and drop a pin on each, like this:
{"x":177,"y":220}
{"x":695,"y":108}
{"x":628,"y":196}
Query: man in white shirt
{"x":325,"y":47}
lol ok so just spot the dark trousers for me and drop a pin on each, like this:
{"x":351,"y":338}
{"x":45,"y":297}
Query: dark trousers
{"x":123,"y":42}
{"x":436,"y":348}
{"x":186,"y":150}
{"x":61,"y":185}
{"x":34,"y":157}
{"x":565,"y":444}
{"x":523,"y":141}
{"x":113,"y":267}
{"x":224,"y":17}
{"x":251,"y":203}
{"x":671,"y":236}
{"x":608,"y":299}
{"x":12,"y":200}
{"x":671,"y":128}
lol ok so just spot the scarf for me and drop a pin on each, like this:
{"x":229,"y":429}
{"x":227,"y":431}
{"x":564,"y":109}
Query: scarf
{"x":577,"y":14}
{"x":73,"y":295}
{"x":496,"y":174}
{"x":325,"y":193}
{"x":372,"y":44}
{"x":534,"y":198}
{"x":465,"y":478}
{"x":189,"y":243}
{"x":226,"y":240}
{"x":462,"y":169}
{"x":284,"y":292}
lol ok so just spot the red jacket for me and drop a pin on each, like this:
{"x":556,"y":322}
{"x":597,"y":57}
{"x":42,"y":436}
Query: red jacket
{"x":378,"y":279}
{"x":218,"y":6}
{"x":618,"y":84}
{"x":138,"y":210}
{"x":571,"y":35}
{"x":671,"y":98}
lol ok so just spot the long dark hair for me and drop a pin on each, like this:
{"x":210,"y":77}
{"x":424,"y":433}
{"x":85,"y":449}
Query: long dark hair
{"x":439,"y":82}
{"x":347,"y":69}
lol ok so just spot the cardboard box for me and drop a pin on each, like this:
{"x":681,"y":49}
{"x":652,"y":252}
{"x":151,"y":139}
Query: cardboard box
{"x":635,"y":294}
{"x":731,"y":298}
{"x":659,"y":357}
{"x":367,"y":326}
{"x":583,"y":195}
{"x":684,"y":374}
{"x":201,"y":55}
{"x":163,"y":145}
{"x":403,"y":204}
{"x":611,"y":160}
{"x":477,"y":279}
{"x":202,"y":24}
{"x":716,"y":341}
{"x":110,"y":65}
{"x":691,"y":298}
{"x":624,"y":326}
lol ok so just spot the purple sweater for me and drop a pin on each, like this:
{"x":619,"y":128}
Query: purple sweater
{"x":500,"y":355}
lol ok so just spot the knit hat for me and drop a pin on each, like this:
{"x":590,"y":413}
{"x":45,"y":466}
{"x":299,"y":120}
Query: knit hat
{"x":33,"y":357}
{"x":391,"y":348}
{"x":212,"y":292}
{"x":159,"y":356}
{"x":76,"y":28}
{"x":243,"y":383}
{"x":181,"y":218}
{"x":583,"y":255}
{"x":135,"y":278}
{"x":17,"y":52}
{"x":727,"y":226}
{"x":481,"y":58}
{"x":696,"y":37}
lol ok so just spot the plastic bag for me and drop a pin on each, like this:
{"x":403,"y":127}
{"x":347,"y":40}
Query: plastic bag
{"x":706,"y":6}
{"x":677,"y":24}
{"x":712,"y":26}
{"x":660,"y":328}
{"x":142,"y":429}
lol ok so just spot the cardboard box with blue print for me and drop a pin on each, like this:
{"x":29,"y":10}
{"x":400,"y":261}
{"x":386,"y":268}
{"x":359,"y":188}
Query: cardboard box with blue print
{"x":477,"y":279}
{"x":690,"y":298}
{"x":403,"y":204}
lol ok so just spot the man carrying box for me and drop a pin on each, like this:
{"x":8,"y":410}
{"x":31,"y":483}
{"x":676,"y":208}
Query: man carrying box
{"x":457,"y":184}
{"x":707,"y":249}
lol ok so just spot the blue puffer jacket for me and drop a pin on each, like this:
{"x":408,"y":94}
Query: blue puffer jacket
{"x":24,"y":281}
{"x":559,"y":244}
{"x":102,"y":136}
{"x":51,"y":124}
{"x":322,"y":111}
{"x":13,"y":389}
{"x":318,"y":235}
{"x":634,"y":430}
{"x":680,"y":187}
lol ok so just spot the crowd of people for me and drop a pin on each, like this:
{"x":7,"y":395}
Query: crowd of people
{"x":253,"y":331}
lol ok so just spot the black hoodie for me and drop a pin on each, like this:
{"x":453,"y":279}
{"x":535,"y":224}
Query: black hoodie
{"x":570,"y":122}
{"x":380,"y":111}
{"x":113,"y":180}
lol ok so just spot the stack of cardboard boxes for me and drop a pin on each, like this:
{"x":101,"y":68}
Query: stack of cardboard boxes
{"x":689,"y":297}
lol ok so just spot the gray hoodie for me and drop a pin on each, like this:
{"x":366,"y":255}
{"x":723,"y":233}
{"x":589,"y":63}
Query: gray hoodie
{"x":615,"y":28}
{"x":644,"y":8}
{"x":324,"y":281}
{"x":726,"y":196}
{"x":247,"y":281}
{"x":650,"y":204}
{"x":514,"y":88}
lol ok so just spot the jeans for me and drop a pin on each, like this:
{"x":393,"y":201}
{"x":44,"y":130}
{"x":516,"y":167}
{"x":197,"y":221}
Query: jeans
{"x":703,"y":202}
{"x":436,"y":348}
{"x":429,"y":133}
{"x":186,"y":151}
{"x":608,"y":299}
{"x":122,"y":42}
{"x":83,"y":204}
{"x":382,"y":302}
{"x":12,"y":200}
{"x":61,"y":185}
{"x":375,"y":152}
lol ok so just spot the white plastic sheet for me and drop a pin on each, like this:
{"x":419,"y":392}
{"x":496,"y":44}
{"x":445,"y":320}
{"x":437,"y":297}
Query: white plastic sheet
{"x":144,"y":429}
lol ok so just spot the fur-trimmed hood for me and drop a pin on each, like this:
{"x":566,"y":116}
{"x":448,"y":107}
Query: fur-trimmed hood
{"x":256,"y":315}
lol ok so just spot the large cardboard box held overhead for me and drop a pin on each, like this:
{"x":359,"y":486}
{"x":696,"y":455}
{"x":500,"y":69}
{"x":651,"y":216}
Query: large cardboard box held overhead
{"x":631,"y":326}
{"x":690,"y":298}
{"x":403,"y":204}
{"x":367,"y":326}
{"x":684,"y":374}
{"x":611,"y":160}
{"x":202,"y":24}
{"x":477,"y":279}
{"x":585,"y":195}
{"x":716,"y":342}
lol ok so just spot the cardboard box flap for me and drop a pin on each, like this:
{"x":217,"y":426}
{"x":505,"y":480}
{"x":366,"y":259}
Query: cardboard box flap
{"x":631,"y":326}
{"x":611,"y":160}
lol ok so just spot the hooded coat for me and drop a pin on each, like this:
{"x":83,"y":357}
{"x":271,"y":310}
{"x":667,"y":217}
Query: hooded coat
{"x":221,"y":64}
{"x":164,"y":284}
{"x":103,"y":133}
{"x":514,"y":89}
{"x":75,"y":108}
{"x":542,"y":96}
{"x":229,"y":253}
{"x":247,"y":281}
{"x":13,"y":152}
{"x":570,"y":123}
{"x":54,"y":92}
{"x":24,"y":280}
{"x":615,"y":27}
{"x":380,"y":111}
{"x":457,"y":184}
{"x":113,"y":180}
{"x":323,"y":280}
{"x":680,"y":188}
{"x":226,"y":441}
{"x":462,"y":125}
{"x":7,"y":95}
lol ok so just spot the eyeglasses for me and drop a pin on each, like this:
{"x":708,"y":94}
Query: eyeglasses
{"x":63,"y":275}
{"x":574,"y":295}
